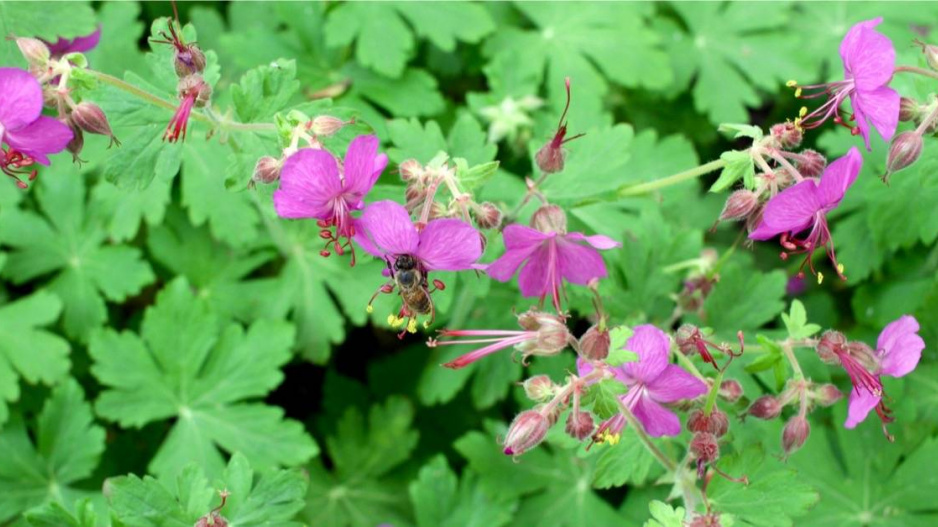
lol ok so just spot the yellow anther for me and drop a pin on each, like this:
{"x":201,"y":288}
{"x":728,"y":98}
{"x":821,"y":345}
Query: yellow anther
{"x":798,"y":124}
{"x":426,"y":324}
{"x":391,"y":320}
{"x":798,"y":92}
{"x":369,"y":308}
{"x":820,"y":278}
{"x":613,"y":439}
{"x":791,"y":83}
{"x":803,"y":111}
{"x":840,"y":268}
{"x":412,"y":325}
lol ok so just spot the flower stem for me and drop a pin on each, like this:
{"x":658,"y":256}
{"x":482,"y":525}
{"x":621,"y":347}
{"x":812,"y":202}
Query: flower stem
{"x":788,"y":350}
{"x":674,"y":179}
{"x":662,"y":458}
{"x":920,"y":71}
{"x":927,"y":121}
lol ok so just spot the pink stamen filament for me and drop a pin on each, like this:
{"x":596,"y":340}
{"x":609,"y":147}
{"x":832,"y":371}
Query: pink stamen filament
{"x":836,"y":93}
{"x":179,"y":122}
{"x":859,"y":376}
{"x":819,"y":236}
{"x":500,"y":344}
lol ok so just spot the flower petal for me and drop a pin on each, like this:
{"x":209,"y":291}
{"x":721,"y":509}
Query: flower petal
{"x":385,"y":229}
{"x":309,"y":182}
{"x":597,"y":240}
{"x":792,"y":210}
{"x":578,"y":264}
{"x":521,"y":236}
{"x":861,"y":402}
{"x":868,"y":55}
{"x":20,"y":98}
{"x":657,"y":420}
{"x":879,"y":107}
{"x":837,"y":178}
{"x":540,"y":277}
{"x":75,"y":45}
{"x":43,"y":136}
{"x":652,"y":346}
{"x":449,"y":245}
{"x":675,"y":384}
{"x":363,"y":165}
{"x":900,"y":347}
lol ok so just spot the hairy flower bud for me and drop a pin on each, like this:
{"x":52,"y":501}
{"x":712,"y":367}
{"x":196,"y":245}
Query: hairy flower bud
{"x":212,"y":520}
{"x":731,"y":390}
{"x":739,"y":205}
{"x":716,"y":423}
{"x":488,"y":216}
{"x":326,"y":125}
{"x":410,"y":169}
{"x":34,"y":50}
{"x":527,"y":431}
{"x":787,"y":135}
{"x":706,"y":520}
{"x":267,"y":170}
{"x":188,"y":60}
{"x":594,"y":344}
{"x":549,"y":219}
{"x":579,"y":425}
{"x":77,"y":143}
{"x":552,"y":334}
{"x":827,"y":394}
{"x":550,"y":158}
{"x":90,"y":118}
{"x":195,"y":84}
{"x":754,"y":219}
{"x":905,"y":149}
{"x":539,"y":388}
{"x":931,"y":54}
{"x":705,"y":447}
{"x":828,"y":344}
{"x":795,"y":434}
{"x":686,"y":338}
{"x":765,"y":407}
{"x":811,"y":163}
{"x":909,"y":110}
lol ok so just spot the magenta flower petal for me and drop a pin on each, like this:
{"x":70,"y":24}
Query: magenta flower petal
{"x":861,"y":402}
{"x":449,"y":245}
{"x":868,"y":55}
{"x":20,"y":99}
{"x":76,"y":45}
{"x":792,"y":210}
{"x":597,"y":240}
{"x":837,"y":178}
{"x":900,"y":347}
{"x":43,"y":136}
{"x":521,"y":236}
{"x":579,"y":263}
{"x":881,"y":108}
{"x":520,"y":241}
{"x":539,"y":275}
{"x":385,"y":229}
{"x":309,"y":182}
{"x":675,"y":384}
{"x":652,"y":346}
{"x":657,"y":420}
{"x":363,"y":165}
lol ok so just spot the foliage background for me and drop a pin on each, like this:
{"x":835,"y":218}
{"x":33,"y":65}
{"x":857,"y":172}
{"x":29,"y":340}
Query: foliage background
{"x":154,"y":313}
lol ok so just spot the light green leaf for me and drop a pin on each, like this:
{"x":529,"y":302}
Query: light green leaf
{"x":744,"y":299}
{"x":664,"y":515}
{"x":54,"y":514}
{"x":739,"y":165}
{"x":602,"y":398}
{"x":441,"y":501}
{"x":265,"y":90}
{"x":48,"y":20}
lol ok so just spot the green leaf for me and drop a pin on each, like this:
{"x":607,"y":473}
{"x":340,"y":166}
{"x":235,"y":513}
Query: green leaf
{"x":54,"y":514}
{"x":27,"y":350}
{"x":741,"y":130}
{"x":739,"y":165}
{"x":797,"y":322}
{"x":66,"y":450}
{"x":664,"y":515}
{"x":618,"y":336}
{"x":744,"y":299}
{"x":602,"y":397}
{"x":475,"y":177}
{"x":265,"y":90}
{"x":445,"y":23}
{"x":625,"y":462}
{"x":440,"y":500}
{"x":121,"y":29}
{"x":771,"y":357}
{"x":47,"y":20}
{"x":619,"y":356}
{"x":70,"y":246}
{"x":128,"y":208}
{"x":187,"y":364}
{"x":600,"y":157}
{"x":413,"y":94}
{"x":355,"y":492}
{"x":466,"y":140}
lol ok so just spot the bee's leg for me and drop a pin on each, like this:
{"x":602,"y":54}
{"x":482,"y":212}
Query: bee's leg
{"x":432,"y":311}
{"x":390,"y":267}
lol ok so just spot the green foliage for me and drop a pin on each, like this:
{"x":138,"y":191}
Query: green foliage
{"x":440,"y":499}
{"x":664,"y":515}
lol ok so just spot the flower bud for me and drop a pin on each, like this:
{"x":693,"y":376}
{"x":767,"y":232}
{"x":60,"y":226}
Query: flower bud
{"x":787,"y":135}
{"x":827,"y":394}
{"x":189,"y":60}
{"x":830,"y":343}
{"x":739,"y":205}
{"x":795,"y":434}
{"x":90,"y":118}
{"x":527,"y":431}
{"x":326,"y":125}
{"x":77,"y":143}
{"x":710,"y":519}
{"x":539,"y":388}
{"x":716,"y":423}
{"x":909,"y":109}
{"x":931,"y":54}
{"x":267,"y":170}
{"x":197,"y":85}
{"x":754,"y":219}
{"x":552,"y":335}
{"x":686,"y":338}
{"x":212,"y":520}
{"x":550,"y":158}
{"x":488,"y":216}
{"x":550,"y":219}
{"x":410,"y":169}
{"x":765,"y":407}
{"x":811,"y":163}
{"x":731,"y":390}
{"x":594,"y":344}
{"x":579,"y":425}
{"x":705,"y":447}
{"x":905,"y":149}
{"x":34,"y":50}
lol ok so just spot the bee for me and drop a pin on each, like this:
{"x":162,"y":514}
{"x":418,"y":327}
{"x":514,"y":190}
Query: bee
{"x":412,"y":286}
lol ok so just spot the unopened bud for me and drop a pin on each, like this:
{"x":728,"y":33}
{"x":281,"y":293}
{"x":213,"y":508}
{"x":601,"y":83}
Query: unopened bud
{"x":828,"y":346}
{"x":716,"y":423}
{"x":827,"y":394}
{"x":195,"y":84}
{"x":488,"y":216}
{"x":326,"y":125}
{"x":594,"y":344}
{"x":410,"y":169}
{"x":552,"y":335}
{"x":787,"y":135}
{"x":686,"y":338}
{"x":905,"y":149}
{"x":705,"y":447}
{"x":267,"y":170}
{"x":909,"y":109}
{"x":90,"y":118}
{"x":754,"y":219}
{"x":811,"y":163}
{"x":731,"y":390}
{"x":550,"y":219}
{"x":710,"y":519}
{"x":212,"y":520}
{"x":795,"y":434}
{"x":765,"y":407}
{"x":550,"y":158}
{"x":739,"y":205}
{"x":539,"y":388}
{"x":931,"y":54}
{"x":579,"y":425}
{"x":527,"y":431}
{"x":34,"y":50}
{"x":188,"y":61}
{"x":77,"y":143}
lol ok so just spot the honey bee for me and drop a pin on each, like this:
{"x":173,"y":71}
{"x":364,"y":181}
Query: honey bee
{"x":412,"y":286}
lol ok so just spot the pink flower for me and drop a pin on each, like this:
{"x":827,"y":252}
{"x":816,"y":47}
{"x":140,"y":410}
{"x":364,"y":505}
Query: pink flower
{"x":548,"y":255}
{"x":30,"y":136}
{"x":898,"y":350}
{"x":83,"y":44}
{"x":313,"y":185}
{"x":869,"y":60}
{"x":652,"y":381}
{"x":804,"y":206}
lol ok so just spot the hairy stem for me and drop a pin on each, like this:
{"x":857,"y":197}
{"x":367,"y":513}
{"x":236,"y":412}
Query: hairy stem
{"x":674,"y":179}
{"x":920,"y":71}
{"x":662,"y":458}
